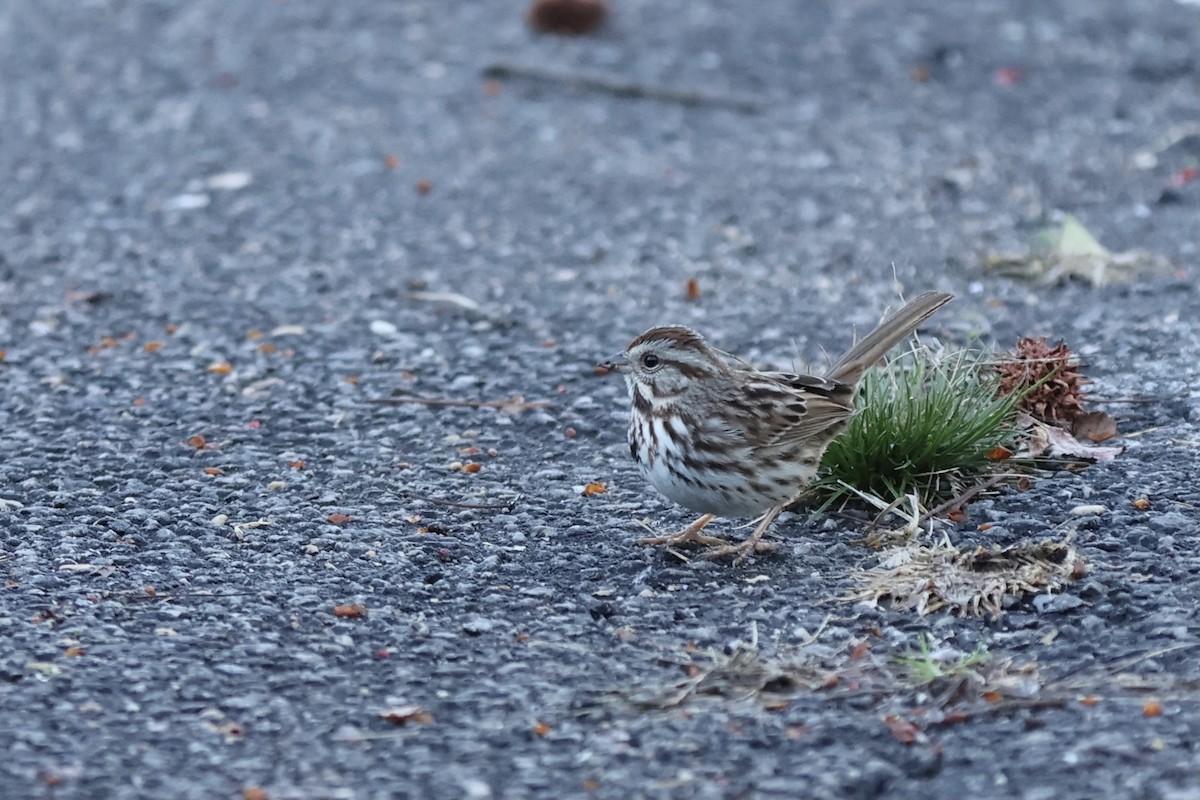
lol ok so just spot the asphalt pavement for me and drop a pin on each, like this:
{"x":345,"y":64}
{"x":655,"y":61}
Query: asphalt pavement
{"x":229,"y":227}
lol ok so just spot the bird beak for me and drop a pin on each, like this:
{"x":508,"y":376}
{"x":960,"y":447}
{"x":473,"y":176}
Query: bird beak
{"x":614,"y":363}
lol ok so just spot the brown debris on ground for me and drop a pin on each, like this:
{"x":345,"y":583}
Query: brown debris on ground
{"x":930,"y":578}
{"x":1048,"y":378}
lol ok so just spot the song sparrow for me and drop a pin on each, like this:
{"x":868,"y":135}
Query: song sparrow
{"x":720,"y":438}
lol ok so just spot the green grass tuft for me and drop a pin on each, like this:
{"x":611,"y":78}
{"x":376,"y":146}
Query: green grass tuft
{"x":923,"y":425}
{"x":922,"y":666}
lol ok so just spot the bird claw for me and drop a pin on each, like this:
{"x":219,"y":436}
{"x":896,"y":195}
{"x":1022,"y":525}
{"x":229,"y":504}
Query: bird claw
{"x":689,"y":535}
{"x":742,"y":550}
{"x":718,"y":547}
{"x":685,"y":537}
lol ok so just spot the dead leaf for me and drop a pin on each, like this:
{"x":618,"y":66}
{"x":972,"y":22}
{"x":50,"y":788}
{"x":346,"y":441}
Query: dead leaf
{"x":220,"y":368}
{"x":1152,"y":708}
{"x":567,"y":17}
{"x":1048,"y":441}
{"x":339,"y":519}
{"x":693,"y":289}
{"x":403,"y":715}
{"x":1095,"y":426}
{"x":904,"y":731}
{"x":1070,"y":251}
{"x":595,"y":487}
{"x":350,"y":611}
{"x":197,"y":441}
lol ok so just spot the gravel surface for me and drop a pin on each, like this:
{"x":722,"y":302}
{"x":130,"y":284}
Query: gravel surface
{"x":228,"y":225}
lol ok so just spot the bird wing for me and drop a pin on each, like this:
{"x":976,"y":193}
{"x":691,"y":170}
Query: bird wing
{"x":784,"y":408}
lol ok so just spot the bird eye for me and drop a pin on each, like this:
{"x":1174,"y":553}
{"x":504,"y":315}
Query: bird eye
{"x":650,"y":361}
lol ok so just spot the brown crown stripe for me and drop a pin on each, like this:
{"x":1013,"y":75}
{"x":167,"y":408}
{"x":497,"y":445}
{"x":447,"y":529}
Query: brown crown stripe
{"x":671,"y":334}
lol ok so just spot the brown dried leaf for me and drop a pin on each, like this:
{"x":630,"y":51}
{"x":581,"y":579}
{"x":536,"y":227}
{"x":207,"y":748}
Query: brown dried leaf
{"x":595,"y":487}
{"x":567,"y":17}
{"x":350,"y":611}
{"x":1095,"y":426}
{"x":1049,"y":441}
{"x":403,"y":715}
{"x":904,"y":731}
{"x":339,"y":519}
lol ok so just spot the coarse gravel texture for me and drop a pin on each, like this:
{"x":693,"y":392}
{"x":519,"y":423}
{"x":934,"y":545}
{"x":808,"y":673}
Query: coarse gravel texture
{"x":179,"y":176}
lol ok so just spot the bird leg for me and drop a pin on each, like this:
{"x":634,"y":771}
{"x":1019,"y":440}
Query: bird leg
{"x":753,"y":544}
{"x":689,"y":535}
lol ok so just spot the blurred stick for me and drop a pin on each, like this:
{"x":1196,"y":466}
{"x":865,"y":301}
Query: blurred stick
{"x":616,"y":88}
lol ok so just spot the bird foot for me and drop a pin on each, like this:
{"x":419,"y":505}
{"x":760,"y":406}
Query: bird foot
{"x":742,"y":550}
{"x":689,"y":535}
{"x":753,"y":544}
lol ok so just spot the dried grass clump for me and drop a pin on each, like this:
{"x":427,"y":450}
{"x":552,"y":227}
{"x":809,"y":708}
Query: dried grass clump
{"x":927,"y":579}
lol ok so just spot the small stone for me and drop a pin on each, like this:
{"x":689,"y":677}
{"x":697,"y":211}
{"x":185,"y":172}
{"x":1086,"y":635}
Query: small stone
{"x":1088,"y":511}
{"x":1056,"y":603}
{"x":477,"y":626}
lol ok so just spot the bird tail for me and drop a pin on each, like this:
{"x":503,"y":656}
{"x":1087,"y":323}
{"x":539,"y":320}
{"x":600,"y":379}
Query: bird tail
{"x":849,"y":368}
